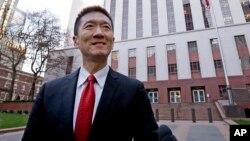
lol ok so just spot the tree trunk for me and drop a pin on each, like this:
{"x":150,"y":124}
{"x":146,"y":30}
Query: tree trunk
{"x":33,"y":87}
{"x":11,"y":88}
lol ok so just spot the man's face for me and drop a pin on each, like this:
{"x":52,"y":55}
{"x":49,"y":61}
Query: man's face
{"x":95,"y":36}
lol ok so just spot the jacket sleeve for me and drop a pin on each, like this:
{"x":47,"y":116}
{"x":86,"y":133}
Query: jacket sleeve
{"x":165,"y":133}
{"x":146,"y":126}
{"x":34,"y":127}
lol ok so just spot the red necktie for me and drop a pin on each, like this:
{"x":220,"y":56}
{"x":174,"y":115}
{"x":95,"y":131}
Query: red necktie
{"x":85,"y":111}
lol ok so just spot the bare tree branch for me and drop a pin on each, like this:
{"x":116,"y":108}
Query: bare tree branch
{"x":12,"y":52}
{"x":46,"y":37}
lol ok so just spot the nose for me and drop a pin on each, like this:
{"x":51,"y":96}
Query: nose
{"x":98,"y":32}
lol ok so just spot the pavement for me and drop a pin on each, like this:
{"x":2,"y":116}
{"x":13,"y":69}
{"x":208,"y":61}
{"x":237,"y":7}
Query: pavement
{"x":184,"y":130}
{"x":199,"y":130}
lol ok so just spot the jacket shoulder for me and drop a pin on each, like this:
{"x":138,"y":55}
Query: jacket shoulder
{"x":60,"y":80}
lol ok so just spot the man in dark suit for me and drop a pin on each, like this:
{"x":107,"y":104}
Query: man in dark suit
{"x":122,"y":110}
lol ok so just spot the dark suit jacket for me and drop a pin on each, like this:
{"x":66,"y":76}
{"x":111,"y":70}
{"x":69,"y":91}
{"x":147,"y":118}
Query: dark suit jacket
{"x":124,"y":111}
{"x":165,"y":133}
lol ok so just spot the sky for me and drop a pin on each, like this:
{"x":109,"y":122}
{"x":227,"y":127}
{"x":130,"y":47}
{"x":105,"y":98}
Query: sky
{"x":60,"y":8}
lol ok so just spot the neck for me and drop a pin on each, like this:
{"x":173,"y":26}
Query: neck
{"x":93,"y":67}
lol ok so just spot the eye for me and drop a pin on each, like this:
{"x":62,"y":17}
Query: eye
{"x":106,"y":27}
{"x":88,"y":26}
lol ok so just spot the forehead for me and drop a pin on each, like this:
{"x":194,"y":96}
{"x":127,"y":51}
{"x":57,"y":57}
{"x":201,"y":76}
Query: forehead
{"x":95,"y":17}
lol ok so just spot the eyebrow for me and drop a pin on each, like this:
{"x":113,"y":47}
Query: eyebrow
{"x":94,"y":21}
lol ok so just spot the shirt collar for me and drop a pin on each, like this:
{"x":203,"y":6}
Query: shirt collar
{"x":100,"y":76}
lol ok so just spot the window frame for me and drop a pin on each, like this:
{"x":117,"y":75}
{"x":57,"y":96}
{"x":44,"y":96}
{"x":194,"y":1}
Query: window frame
{"x":172,"y":69}
{"x":174,"y":97}
{"x":195,"y":67}
{"x":153,"y":96}
{"x":198,"y":98}
{"x":151,"y":71}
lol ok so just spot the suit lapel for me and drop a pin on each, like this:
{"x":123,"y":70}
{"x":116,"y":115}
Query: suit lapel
{"x":68,"y":99}
{"x":109,"y":90}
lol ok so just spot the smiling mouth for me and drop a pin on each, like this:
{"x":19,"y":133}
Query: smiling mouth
{"x":98,"y":43}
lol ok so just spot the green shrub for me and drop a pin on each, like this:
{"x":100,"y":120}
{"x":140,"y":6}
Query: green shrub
{"x":20,"y":111}
{"x":11,"y":111}
{"x":26,"y":111}
{"x":4,"y":111}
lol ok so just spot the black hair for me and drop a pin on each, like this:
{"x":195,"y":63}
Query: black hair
{"x":87,"y":10}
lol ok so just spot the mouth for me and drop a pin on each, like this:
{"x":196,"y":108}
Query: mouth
{"x":99,"y":43}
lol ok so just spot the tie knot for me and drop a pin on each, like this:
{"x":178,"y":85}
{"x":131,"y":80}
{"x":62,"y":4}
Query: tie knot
{"x":91,"y":78}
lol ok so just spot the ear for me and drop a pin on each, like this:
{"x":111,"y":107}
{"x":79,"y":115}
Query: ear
{"x":75,"y":40}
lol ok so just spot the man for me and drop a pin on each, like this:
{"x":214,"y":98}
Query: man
{"x":121,"y":108}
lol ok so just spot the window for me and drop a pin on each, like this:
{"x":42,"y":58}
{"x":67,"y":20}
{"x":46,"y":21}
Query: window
{"x":223,"y":90}
{"x":125,"y":20}
{"x":248,"y":87}
{"x":188,"y":15}
{"x":206,"y":14}
{"x":226,"y":12}
{"x":245,"y":62}
{"x":69,"y":64}
{"x":245,"y":4}
{"x":37,"y":90}
{"x":112,"y":9}
{"x":172,"y":69}
{"x":198,"y":95}
{"x":195,"y":67}
{"x":170,"y":16}
{"x":153,"y":96}
{"x":192,"y":46}
{"x":151,"y":51}
{"x":139,"y":30}
{"x":214,"y":43}
{"x":131,"y":53}
{"x":154,"y":17}
{"x":114,"y":55}
{"x":7,"y":84}
{"x":175,"y":96}
{"x":171,"y":48}
{"x":9,"y":75}
{"x":2,"y":96}
{"x":151,"y":71}
{"x":132,"y":72}
{"x":39,"y":82}
{"x":23,"y":87}
{"x":114,"y":60}
{"x":15,"y":86}
{"x":240,"y":41}
{"x":218,"y":64}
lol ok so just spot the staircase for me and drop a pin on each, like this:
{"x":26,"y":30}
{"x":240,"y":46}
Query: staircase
{"x":182,"y":111}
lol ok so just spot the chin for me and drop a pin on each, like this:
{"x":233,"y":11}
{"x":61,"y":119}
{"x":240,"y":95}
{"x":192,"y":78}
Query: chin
{"x":101,"y":53}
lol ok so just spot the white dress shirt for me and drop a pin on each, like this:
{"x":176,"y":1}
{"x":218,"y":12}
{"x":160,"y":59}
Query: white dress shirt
{"x":100,"y":76}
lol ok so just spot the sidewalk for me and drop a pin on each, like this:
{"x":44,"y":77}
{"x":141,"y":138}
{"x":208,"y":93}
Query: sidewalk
{"x":198,"y":131}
